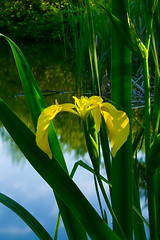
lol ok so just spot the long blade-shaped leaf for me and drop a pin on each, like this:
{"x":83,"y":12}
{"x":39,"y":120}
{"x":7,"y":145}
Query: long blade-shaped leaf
{"x":33,"y":95}
{"x":56,"y":177}
{"x":36,"y":105}
{"x":88,"y":168}
{"x":29,"y":84}
{"x":31,"y":221}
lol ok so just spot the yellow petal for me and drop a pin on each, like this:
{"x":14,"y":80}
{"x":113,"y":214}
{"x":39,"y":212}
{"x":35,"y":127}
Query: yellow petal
{"x":44,"y":121}
{"x":68,"y":107}
{"x":117,"y":124}
{"x":95,"y":100}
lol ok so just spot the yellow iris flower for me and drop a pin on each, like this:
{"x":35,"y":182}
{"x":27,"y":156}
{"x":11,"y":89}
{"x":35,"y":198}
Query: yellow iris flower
{"x":117,"y":121}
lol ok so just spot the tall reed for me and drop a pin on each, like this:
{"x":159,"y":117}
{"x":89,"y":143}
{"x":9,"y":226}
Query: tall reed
{"x":131,"y":38}
{"x":122,"y":190}
{"x":69,"y":197}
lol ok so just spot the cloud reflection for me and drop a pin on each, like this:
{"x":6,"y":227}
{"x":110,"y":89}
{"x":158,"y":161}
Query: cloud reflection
{"x":22,"y":183}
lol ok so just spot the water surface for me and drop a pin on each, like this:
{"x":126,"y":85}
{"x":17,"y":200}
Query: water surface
{"x":57,"y":80}
{"x":18,"y":179}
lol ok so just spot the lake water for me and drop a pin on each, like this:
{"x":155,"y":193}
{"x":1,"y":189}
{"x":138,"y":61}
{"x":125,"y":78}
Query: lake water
{"x":18,"y":179}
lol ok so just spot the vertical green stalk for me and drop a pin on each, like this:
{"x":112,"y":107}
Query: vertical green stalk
{"x":63,"y":34}
{"x":105,"y":149}
{"x":157,"y":184}
{"x":156,"y":110}
{"x":139,"y":230}
{"x":122,"y":199}
{"x":36,"y":105}
{"x":147,"y":102}
{"x":150,"y":179}
{"x":92,"y":50}
{"x":150,"y":6}
{"x":156,"y":104}
{"x":91,"y":138}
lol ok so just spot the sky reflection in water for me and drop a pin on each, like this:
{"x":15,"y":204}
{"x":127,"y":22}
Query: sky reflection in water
{"x":21,"y":182}
{"x":18,"y":179}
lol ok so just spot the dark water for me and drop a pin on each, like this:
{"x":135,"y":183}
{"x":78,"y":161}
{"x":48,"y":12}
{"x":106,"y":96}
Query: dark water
{"x":56,"y":78}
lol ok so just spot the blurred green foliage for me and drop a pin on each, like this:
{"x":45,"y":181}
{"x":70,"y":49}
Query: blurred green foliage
{"x":30,"y":19}
{"x":41,"y":19}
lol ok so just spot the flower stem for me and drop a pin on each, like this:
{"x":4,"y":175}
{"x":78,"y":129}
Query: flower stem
{"x":91,"y":138}
{"x":150,"y":179}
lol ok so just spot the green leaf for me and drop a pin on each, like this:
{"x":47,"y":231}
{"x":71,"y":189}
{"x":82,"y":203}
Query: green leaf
{"x":53,"y":173}
{"x":34,"y":97}
{"x":29,"y":84}
{"x":154,"y":156}
{"x":36,"y":104}
{"x":140,"y":215}
{"x":31,"y":221}
{"x":57,"y":226}
{"x":88,"y":168}
{"x":128,"y":35}
{"x":121,"y":94}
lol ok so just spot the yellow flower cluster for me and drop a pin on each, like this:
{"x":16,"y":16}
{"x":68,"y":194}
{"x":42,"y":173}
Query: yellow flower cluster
{"x":117,"y":121}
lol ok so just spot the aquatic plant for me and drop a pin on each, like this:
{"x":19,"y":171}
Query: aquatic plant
{"x":106,"y":125}
{"x":117,"y":122}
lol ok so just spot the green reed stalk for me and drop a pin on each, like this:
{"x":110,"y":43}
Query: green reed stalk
{"x":92,"y":50}
{"x":121,"y":94}
{"x":63,"y":34}
{"x":147,"y":102}
{"x":36,"y":105}
{"x":150,"y":179}
{"x":139,"y":230}
{"x":80,"y":45}
{"x":105,"y":149}
{"x":156,"y":104}
{"x":150,"y":7}
{"x":156,"y":120}
{"x":56,"y":177}
{"x":91,"y":138}
{"x":157,"y":191}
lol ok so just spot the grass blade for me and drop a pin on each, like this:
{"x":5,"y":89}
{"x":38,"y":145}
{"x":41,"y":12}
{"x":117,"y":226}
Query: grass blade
{"x":56,"y":177}
{"x":36,"y":105}
{"x":88,"y":168}
{"x":31,"y":221}
{"x":57,"y":227}
{"x":29,"y":84}
{"x":33,"y":95}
